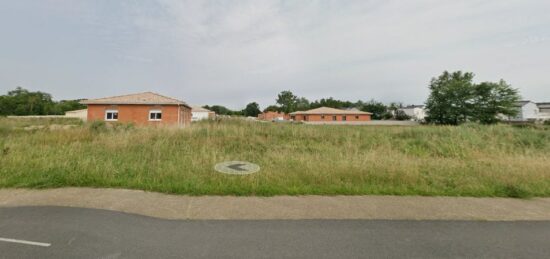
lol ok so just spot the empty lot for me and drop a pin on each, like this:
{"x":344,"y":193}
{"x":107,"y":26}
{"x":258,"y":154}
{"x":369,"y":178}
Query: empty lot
{"x":469,"y":160}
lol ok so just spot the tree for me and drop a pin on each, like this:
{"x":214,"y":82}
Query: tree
{"x":302,"y":104}
{"x":287,"y":100}
{"x":23,"y":102}
{"x":68,"y":105}
{"x":379,"y":110}
{"x":394,"y":112}
{"x":492,"y":100}
{"x":400,"y":115}
{"x":252,"y":110}
{"x":272,"y":108}
{"x":333,"y":103}
{"x":450,"y":100}
{"x":218,"y":109}
{"x":455,"y":99}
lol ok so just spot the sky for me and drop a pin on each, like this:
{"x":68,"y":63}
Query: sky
{"x":235,"y":52}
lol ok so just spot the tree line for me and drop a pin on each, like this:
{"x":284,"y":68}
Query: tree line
{"x":454,"y":99}
{"x":24,"y":102}
{"x":287,"y":102}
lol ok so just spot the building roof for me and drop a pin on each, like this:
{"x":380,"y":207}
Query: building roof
{"x":139,"y":98}
{"x":328,"y":110}
{"x":413,"y":106}
{"x":522,"y":103}
{"x":196,"y":108}
{"x":545,"y":105}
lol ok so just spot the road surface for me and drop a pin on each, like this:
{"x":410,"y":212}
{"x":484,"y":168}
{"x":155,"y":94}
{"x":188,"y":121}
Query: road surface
{"x":61,"y":232}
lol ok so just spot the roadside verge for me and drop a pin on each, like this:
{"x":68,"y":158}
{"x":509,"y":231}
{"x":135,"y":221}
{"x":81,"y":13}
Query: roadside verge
{"x":283,"y":207}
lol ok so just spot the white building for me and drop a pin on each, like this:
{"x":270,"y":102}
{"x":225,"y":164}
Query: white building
{"x":527,"y":111}
{"x":544,"y":111}
{"x":416,"y":112}
{"x":198,"y":113}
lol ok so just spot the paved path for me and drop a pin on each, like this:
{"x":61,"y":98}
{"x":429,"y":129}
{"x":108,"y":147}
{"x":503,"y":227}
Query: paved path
{"x":87,"y":233}
{"x":283,"y":207}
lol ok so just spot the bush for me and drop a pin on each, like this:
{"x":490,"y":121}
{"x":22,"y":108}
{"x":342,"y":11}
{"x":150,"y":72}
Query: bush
{"x":97,"y":126}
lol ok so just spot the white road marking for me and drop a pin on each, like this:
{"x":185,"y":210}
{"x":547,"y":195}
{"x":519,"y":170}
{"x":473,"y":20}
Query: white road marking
{"x":24,"y":242}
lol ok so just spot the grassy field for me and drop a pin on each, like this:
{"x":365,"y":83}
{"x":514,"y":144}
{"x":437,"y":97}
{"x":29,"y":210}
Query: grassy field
{"x":469,"y":160}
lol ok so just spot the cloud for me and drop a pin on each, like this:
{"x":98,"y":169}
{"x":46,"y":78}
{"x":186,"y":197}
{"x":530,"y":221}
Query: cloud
{"x":233,"y":52}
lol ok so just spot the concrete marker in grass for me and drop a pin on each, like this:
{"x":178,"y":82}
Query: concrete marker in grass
{"x":237,"y":167}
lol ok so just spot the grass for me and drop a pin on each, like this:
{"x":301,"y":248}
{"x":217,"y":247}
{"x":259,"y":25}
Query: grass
{"x":469,"y":160}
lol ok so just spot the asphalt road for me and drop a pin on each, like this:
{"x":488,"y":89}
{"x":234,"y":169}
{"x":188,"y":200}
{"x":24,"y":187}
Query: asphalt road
{"x":88,"y":233}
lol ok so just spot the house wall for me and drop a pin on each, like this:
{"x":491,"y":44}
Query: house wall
{"x":529,"y":111}
{"x":139,"y":114}
{"x":415,"y":113}
{"x":268,"y":116}
{"x":329,"y":117}
{"x":197,"y":116}
{"x":81,"y":114}
{"x":544,"y":107}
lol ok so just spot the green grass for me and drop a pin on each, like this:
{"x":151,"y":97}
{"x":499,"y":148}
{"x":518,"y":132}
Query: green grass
{"x":469,"y":160}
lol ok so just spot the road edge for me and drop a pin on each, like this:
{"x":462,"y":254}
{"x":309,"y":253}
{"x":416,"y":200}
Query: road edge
{"x":168,"y":206}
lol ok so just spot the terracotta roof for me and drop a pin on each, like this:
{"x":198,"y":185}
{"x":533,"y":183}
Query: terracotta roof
{"x":327,"y":110}
{"x":199,"y":109}
{"x":139,"y":98}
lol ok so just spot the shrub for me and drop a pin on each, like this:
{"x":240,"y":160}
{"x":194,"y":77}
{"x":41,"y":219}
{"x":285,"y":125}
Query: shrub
{"x":97,"y":126}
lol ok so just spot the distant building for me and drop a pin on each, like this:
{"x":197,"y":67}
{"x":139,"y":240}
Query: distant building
{"x":326,"y":114}
{"x":199,"y":113}
{"x":544,"y":107}
{"x":273,"y":116}
{"x":416,"y":112}
{"x":527,"y":111}
{"x":544,"y":111}
{"x":143,"y":109}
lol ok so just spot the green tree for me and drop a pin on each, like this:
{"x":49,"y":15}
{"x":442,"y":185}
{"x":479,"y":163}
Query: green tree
{"x":450,"y":100}
{"x":218,"y":109}
{"x":394,"y":111}
{"x":494,"y":99}
{"x":400,"y":115}
{"x":68,"y":105}
{"x":455,"y":99}
{"x":23,"y":102}
{"x":252,"y":110}
{"x":379,"y":110}
{"x":287,"y":100}
{"x":333,"y":103}
{"x":302,"y":104}
{"x":272,"y":108}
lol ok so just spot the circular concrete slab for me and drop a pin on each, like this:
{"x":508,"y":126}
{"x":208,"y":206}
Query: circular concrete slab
{"x":237,"y":167}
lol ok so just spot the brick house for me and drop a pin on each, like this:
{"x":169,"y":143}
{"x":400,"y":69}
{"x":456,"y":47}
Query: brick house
{"x":143,"y":109}
{"x":326,"y":114}
{"x":271,"y":115}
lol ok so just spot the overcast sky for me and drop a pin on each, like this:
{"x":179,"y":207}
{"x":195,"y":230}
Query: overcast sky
{"x":235,"y":52}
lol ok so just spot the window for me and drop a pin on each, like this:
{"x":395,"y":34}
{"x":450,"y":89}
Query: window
{"x":111,"y":115}
{"x":155,"y":115}
{"x":322,"y":117}
{"x":356,"y":117}
{"x":344,"y":118}
{"x":334,"y":118}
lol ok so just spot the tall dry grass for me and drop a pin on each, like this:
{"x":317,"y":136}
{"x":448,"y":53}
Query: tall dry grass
{"x":470,"y":160}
